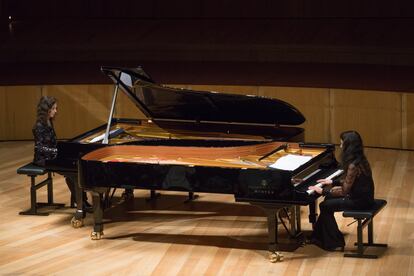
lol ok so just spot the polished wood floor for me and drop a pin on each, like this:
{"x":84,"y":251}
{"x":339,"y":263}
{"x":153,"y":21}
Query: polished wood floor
{"x":210,"y":236}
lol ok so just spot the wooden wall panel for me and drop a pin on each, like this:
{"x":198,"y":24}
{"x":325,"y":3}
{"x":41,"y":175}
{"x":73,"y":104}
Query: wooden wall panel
{"x":312,"y":102}
{"x":19,"y":111}
{"x":80,"y":107}
{"x":408,"y":121}
{"x":376,"y":115}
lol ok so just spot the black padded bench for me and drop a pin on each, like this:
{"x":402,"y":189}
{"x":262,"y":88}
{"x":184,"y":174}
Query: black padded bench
{"x":364,"y":218}
{"x":33,"y":171}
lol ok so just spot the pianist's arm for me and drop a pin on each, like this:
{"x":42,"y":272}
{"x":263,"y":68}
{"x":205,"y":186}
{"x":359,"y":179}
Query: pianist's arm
{"x":343,"y":187}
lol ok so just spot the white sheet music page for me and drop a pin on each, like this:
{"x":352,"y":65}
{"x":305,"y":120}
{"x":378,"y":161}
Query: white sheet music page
{"x":290,"y":162}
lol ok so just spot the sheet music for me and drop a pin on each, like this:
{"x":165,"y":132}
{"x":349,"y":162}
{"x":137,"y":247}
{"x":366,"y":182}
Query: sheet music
{"x":290,"y":162}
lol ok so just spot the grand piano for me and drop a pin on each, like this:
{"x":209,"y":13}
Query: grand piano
{"x":178,"y":117}
{"x":196,"y":141}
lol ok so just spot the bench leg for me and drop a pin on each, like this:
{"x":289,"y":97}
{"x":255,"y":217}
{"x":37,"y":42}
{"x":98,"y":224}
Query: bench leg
{"x":360,"y":238}
{"x":361,"y":245}
{"x":371,"y":237}
{"x":34,"y":205}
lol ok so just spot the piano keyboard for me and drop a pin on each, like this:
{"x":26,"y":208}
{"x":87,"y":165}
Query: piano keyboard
{"x":335,"y":174}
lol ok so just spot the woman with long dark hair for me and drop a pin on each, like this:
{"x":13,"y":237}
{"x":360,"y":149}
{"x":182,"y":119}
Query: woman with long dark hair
{"x":44,"y":132}
{"x":354,"y":191}
{"x":45,"y":141}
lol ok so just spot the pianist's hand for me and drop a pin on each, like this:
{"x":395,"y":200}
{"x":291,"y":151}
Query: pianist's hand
{"x":317,"y":189}
{"x":324,"y":181}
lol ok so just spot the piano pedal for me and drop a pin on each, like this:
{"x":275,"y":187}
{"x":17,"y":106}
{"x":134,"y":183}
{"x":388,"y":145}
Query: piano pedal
{"x":96,"y":235}
{"x":275,"y":257}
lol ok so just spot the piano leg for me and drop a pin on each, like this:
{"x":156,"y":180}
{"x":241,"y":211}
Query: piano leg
{"x":272,"y":227}
{"x":312,"y":213}
{"x":77,"y":220}
{"x":297,"y":218}
{"x":128,"y":194}
{"x":97,"y":198}
{"x":295,"y":226}
{"x":153,"y":195}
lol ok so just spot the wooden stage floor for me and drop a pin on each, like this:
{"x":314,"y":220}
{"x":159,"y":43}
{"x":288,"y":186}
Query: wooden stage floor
{"x":210,"y":236}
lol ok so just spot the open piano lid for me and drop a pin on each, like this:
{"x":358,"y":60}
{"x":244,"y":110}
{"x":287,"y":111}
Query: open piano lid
{"x":158,"y":102}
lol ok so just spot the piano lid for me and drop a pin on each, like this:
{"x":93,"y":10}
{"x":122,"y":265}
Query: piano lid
{"x":159,"y":102}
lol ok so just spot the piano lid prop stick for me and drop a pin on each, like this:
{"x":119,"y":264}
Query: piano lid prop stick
{"x":284,"y":146}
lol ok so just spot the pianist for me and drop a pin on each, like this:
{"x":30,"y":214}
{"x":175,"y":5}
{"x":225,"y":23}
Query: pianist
{"x":45,"y":140}
{"x":354,"y":191}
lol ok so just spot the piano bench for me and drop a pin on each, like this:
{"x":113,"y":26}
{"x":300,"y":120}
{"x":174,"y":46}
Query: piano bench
{"x":365,"y":218}
{"x":33,"y":171}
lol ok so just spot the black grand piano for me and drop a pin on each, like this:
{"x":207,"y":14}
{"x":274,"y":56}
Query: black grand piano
{"x":197,"y":141}
{"x":178,"y":117}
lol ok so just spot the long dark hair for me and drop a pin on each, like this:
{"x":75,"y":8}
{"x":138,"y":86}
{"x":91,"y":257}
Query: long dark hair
{"x":43,"y":107}
{"x":353,"y":151}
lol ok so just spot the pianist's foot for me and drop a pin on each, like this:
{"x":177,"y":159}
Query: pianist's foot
{"x":338,"y":247}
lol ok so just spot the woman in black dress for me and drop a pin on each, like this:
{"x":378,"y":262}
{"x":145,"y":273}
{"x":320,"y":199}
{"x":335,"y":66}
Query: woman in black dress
{"x":43,"y":131}
{"x":45,"y":140}
{"x":354,"y":191}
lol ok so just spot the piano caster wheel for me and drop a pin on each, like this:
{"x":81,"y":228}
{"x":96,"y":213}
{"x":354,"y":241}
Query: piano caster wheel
{"x":275,"y":257}
{"x":96,"y":235}
{"x":76,"y":223}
